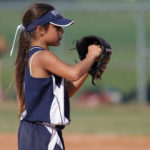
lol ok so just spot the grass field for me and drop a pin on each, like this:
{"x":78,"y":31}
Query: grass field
{"x":118,"y":28}
{"x":105,"y":119}
{"x":107,"y":127}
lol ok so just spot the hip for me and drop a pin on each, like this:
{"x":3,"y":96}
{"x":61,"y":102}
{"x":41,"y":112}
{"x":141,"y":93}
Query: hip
{"x":34,"y":136}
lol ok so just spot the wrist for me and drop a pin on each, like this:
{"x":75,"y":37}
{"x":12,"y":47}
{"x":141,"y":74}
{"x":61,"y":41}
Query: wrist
{"x":91,"y":57}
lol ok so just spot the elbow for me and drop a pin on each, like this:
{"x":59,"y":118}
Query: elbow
{"x":75,"y":76}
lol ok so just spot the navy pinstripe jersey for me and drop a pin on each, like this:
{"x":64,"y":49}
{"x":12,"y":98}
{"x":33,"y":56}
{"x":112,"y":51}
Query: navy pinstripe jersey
{"x":46,"y":99}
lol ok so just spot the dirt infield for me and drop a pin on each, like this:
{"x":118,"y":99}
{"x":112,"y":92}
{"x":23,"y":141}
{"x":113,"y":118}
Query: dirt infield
{"x":88,"y":142}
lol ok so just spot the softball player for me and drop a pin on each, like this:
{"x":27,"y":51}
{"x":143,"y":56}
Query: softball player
{"x":45,"y":83}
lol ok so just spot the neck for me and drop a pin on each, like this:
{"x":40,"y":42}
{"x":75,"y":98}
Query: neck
{"x":40,"y":45}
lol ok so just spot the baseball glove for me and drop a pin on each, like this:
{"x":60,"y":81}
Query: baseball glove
{"x":82,"y":49}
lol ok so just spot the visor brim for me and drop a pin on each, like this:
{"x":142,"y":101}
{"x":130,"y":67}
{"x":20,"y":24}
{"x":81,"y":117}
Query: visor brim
{"x":63,"y":22}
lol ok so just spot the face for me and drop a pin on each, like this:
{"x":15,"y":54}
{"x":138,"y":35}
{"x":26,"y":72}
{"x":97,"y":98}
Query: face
{"x":53,"y":35}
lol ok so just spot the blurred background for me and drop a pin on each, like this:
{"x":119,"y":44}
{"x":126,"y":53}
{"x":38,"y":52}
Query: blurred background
{"x":119,"y":103}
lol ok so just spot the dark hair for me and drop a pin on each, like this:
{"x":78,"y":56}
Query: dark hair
{"x":33,"y":12}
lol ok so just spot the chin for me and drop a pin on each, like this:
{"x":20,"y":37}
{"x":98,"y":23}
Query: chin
{"x":54,"y":44}
{"x":57,"y":44}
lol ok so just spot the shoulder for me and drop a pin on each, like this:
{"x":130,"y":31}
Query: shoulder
{"x":45,"y":54}
{"x":46,"y":57}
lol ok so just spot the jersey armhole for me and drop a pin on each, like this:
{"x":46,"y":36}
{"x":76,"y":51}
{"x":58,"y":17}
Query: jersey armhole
{"x":30,"y":67}
{"x":30,"y":62}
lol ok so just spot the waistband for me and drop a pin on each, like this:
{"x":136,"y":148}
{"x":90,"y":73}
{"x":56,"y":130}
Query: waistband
{"x":57,"y":127}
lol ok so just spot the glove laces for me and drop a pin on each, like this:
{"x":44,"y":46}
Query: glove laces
{"x":19,"y":27}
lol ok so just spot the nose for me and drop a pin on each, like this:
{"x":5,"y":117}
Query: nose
{"x":61,"y":31}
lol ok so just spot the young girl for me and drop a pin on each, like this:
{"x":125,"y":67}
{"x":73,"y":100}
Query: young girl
{"x":45,"y":83}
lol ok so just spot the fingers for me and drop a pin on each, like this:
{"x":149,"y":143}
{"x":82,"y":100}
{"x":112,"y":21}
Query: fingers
{"x":94,"y":50}
{"x":103,"y":67}
{"x":98,"y":75}
{"x":107,"y":59}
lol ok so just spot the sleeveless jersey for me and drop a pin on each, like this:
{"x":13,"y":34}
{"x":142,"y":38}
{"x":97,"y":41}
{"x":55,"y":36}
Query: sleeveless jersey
{"x":46,"y":99}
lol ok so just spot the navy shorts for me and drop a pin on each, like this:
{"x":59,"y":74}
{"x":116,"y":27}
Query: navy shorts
{"x":33,"y":136}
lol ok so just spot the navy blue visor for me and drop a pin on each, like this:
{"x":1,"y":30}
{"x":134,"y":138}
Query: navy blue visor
{"x":52,"y":17}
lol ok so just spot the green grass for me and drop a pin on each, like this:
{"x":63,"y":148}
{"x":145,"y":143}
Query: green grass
{"x":110,"y":120}
{"x":105,"y":119}
{"x":118,"y":28}
{"x":8,"y":117}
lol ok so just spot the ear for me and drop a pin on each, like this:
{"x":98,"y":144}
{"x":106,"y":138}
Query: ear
{"x":41,"y":30}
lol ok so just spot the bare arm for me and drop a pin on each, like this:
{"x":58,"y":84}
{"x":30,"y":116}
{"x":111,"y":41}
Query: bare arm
{"x":51,"y":63}
{"x":74,"y":86}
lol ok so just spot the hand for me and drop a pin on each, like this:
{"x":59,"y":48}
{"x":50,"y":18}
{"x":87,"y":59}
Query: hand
{"x":94,"y":51}
{"x":87,"y":46}
{"x":102,"y":68}
{"x":106,"y":61}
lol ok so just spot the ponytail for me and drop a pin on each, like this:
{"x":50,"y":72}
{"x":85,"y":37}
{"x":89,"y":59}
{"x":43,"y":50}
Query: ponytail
{"x":21,"y":61}
{"x":33,"y":12}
